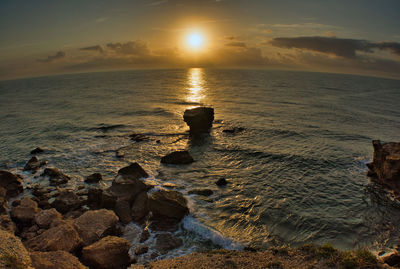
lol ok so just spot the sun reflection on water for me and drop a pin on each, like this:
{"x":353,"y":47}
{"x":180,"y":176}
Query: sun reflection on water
{"x":196,"y":85}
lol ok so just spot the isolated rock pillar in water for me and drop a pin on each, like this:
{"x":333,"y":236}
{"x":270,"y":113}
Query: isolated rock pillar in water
{"x":199,"y":119}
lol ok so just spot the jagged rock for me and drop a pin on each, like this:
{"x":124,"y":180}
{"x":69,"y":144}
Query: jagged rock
{"x":170,"y":204}
{"x":111,"y":252}
{"x":221,"y":182}
{"x":199,"y":119}
{"x":56,"y":177}
{"x":385,"y":166}
{"x":45,"y":217}
{"x":66,"y":201}
{"x":25,"y":212}
{"x":140,"y":207}
{"x":203,"y":192}
{"x":95,"y":224}
{"x":93,"y":178}
{"x":37,"y":150}
{"x":166,"y":242}
{"x":55,"y":260}
{"x":62,"y":237}
{"x":11,"y":183}
{"x":12,"y":252}
{"x":34,"y":164}
{"x":177,"y":157}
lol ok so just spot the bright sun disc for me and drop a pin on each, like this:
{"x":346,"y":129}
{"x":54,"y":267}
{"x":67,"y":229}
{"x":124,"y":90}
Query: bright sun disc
{"x":195,"y":40}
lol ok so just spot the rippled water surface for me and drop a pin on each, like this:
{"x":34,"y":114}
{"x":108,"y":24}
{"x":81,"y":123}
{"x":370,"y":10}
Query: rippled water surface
{"x":296,"y":173}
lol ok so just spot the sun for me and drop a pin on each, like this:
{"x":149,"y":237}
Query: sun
{"x":195,"y":41}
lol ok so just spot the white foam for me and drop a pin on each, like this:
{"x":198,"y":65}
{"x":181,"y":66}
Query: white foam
{"x":192,"y":224}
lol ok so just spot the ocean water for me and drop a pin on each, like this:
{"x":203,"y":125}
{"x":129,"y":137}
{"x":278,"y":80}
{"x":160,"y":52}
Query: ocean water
{"x":296,"y":174}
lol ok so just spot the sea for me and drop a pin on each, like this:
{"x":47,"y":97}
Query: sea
{"x":296,"y":167}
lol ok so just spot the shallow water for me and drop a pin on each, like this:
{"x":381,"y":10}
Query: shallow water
{"x":296,"y":173}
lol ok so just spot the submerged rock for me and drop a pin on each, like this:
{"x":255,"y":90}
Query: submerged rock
{"x":138,"y":137}
{"x":93,"y":178}
{"x":11,"y":183}
{"x":203,"y":192}
{"x":199,"y":119}
{"x":177,"y":157}
{"x":12,"y":252}
{"x":55,"y":260}
{"x":233,"y":130}
{"x":221,"y":182}
{"x":111,"y":252}
{"x":385,"y":166}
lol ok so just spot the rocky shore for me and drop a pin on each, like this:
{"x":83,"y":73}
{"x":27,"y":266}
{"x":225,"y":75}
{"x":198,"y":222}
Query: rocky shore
{"x":51,"y":225}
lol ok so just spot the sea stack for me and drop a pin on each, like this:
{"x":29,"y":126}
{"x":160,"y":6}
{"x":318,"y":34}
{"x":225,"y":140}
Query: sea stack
{"x":385,"y":167}
{"x":199,"y":119}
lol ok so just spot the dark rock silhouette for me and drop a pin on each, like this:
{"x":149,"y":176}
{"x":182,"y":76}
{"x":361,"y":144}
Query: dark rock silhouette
{"x":221,"y":182}
{"x":37,"y":150}
{"x":177,"y":157}
{"x":199,"y":119}
{"x":93,"y":178}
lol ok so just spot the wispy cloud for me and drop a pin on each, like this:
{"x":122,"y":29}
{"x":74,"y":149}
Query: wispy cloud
{"x":52,"y":58}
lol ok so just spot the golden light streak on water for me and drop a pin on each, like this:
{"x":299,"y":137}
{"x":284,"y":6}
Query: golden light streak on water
{"x":196,"y":83}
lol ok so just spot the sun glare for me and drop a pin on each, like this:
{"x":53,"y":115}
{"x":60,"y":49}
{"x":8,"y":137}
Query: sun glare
{"x":195,"y":41}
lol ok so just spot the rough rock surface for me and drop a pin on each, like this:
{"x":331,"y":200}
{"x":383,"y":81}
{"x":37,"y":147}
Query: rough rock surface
{"x":111,"y":252}
{"x":169,"y":204}
{"x":56,"y":177}
{"x":140,"y":207}
{"x":385,"y":166}
{"x":3,"y":200}
{"x":166,"y":242}
{"x":7,"y":224}
{"x":55,"y":260}
{"x":34,"y":164}
{"x":177,"y":157}
{"x":25,"y":211}
{"x":93,"y":178}
{"x":46,"y":217}
{"x":62,"y":237}
{"x":66,"y":201}
{"x":199,"y":119}
{"x":12,"y":252}
{"x":95,"y":224}
{"x":11,"y":183}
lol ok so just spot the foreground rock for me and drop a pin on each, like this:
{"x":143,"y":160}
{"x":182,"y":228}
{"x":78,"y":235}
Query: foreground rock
{"x":56,"y":177}
{"x":62,"y":237}
{"x":385,"y":166}
{"x":24,"y":212}
{"x":177,"y":157}
{"x":45,"y":218}
{"x":66,"y":201}
{"x":93,"y":225}
{"x":12,"y":252}
{"x":111,"y":252}
{"x":11,"y":183}
{"x":55,"y":260}
{"x":199,"y":119}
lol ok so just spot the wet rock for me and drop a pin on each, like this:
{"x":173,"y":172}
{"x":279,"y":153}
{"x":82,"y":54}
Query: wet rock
{"x":34,"y":164}
{"x":37,"y":150}
{"x":12,"y":252}
{"x":386,"y":164}
{"x":56,"y":177}
{"x":141,"y":250}
{"x":55,"y":260}
{"x":62,"y":237}
{"x":144,"y":236}
{"x":25,"y":212}
{"x":140,"y":207}
{"x":11,"y":183}
{"x":138,"y":137}
{"x":166,"y":242}
{"x":95,"y":198}
{"x":203,"y":192}
{"x":199,"y":119}
{"x":392,"y":260}
{"x":66,"y":201}
{"x":110,"y":252}
{"x":95,"y":224}
{"x":7,"y":224}
{"x":133,"y":171}
{"x":177,"y":157}
{"x":221,"y":182}
{"x":233,"y":130}
{"x":170,"y":204}
{"x":93,"y":178}
{"x":45,"y":217}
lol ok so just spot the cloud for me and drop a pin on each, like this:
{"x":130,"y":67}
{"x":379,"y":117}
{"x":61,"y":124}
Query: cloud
{"x":52,"y":58}
{"x":239,"y":44}
{"x":97,"y":48}
{"x":130,"y":48}
{"x":342,"y":47}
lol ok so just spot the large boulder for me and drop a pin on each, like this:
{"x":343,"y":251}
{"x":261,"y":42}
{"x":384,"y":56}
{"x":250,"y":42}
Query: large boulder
{"x":56,"y":177}
{"x":111,"y":252}
{"x":385,"y":166}
{"x":177,"y":157}
{"x":62,"y":237}
{"x":12,"y":252}
{"x":93,"y":225}
{"x":140,"y":207}
{"x":11,"y":183}
{"x":168,"y":204}
{"x":24,"y":212}
{"x":66,"y":201}
{"x":45,"y":218}
{"x":199,"y":119}
{"x":55,"y":260}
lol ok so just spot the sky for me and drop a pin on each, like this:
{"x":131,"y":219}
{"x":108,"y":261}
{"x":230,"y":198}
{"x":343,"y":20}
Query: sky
{"x":55,"y":37}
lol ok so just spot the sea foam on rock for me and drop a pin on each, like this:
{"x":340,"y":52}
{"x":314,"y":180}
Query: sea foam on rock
{"x":199,"y":119}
